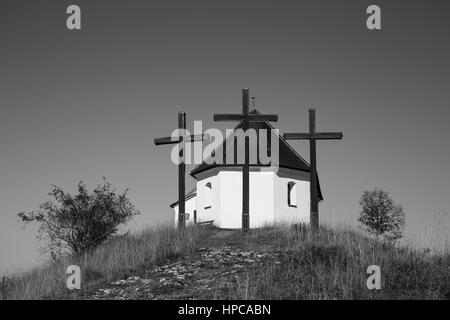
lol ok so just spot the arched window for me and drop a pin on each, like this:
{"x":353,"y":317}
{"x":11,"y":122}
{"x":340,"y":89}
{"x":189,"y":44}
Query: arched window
{"x":208,"y":195}
{"x":291,"y":194}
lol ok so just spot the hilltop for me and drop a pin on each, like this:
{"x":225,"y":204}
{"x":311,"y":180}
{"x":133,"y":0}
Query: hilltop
{"x":277,"y":262}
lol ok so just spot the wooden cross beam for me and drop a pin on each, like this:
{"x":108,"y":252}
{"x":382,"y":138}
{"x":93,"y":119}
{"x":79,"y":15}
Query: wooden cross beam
{"x":182,"y":164}
{"x":312,"y":136}
{"x":246,"y":118}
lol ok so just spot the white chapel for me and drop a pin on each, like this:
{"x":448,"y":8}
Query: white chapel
{"x":278,"y":194}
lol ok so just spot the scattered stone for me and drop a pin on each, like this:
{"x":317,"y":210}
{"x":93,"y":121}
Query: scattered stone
{"x":208,"y":269}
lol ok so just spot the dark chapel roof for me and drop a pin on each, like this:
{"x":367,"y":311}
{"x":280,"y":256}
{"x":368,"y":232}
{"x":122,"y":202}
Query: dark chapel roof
{"x":288,"y":157}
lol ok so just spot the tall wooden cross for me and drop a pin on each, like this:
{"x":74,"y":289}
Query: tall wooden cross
{"x":246,"y":118}
{"x":182,"y":165}
{"x":312,"y":136}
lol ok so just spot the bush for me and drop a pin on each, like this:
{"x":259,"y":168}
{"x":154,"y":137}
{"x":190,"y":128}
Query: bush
{"x":80,"y":223}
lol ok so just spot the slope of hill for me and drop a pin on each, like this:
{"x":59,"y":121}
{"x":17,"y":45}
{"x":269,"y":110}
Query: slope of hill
{"x":277,"y":262}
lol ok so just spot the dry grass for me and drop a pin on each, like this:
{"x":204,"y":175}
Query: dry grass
{"x":121,"y":256}
{"x":333,"y":263}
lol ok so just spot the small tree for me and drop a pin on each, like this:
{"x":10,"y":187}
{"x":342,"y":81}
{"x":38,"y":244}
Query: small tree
{"x":78,"y":224}
{"x":380,"y":215}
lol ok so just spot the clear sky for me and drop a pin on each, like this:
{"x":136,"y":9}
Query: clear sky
{"x":80,"y":105}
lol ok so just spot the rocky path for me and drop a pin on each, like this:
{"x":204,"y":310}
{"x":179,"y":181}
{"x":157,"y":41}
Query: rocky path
{"x":208,"y":273}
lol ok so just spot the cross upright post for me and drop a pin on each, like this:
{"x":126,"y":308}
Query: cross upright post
{"x":183,"y":138}
{"x":312,"y":136}
{"x":181,"y":175}
{"x":246,"y":166}
{"x":246,"y":118}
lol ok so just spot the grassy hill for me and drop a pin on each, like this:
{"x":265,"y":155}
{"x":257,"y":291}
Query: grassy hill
{"x":277,"y":262}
